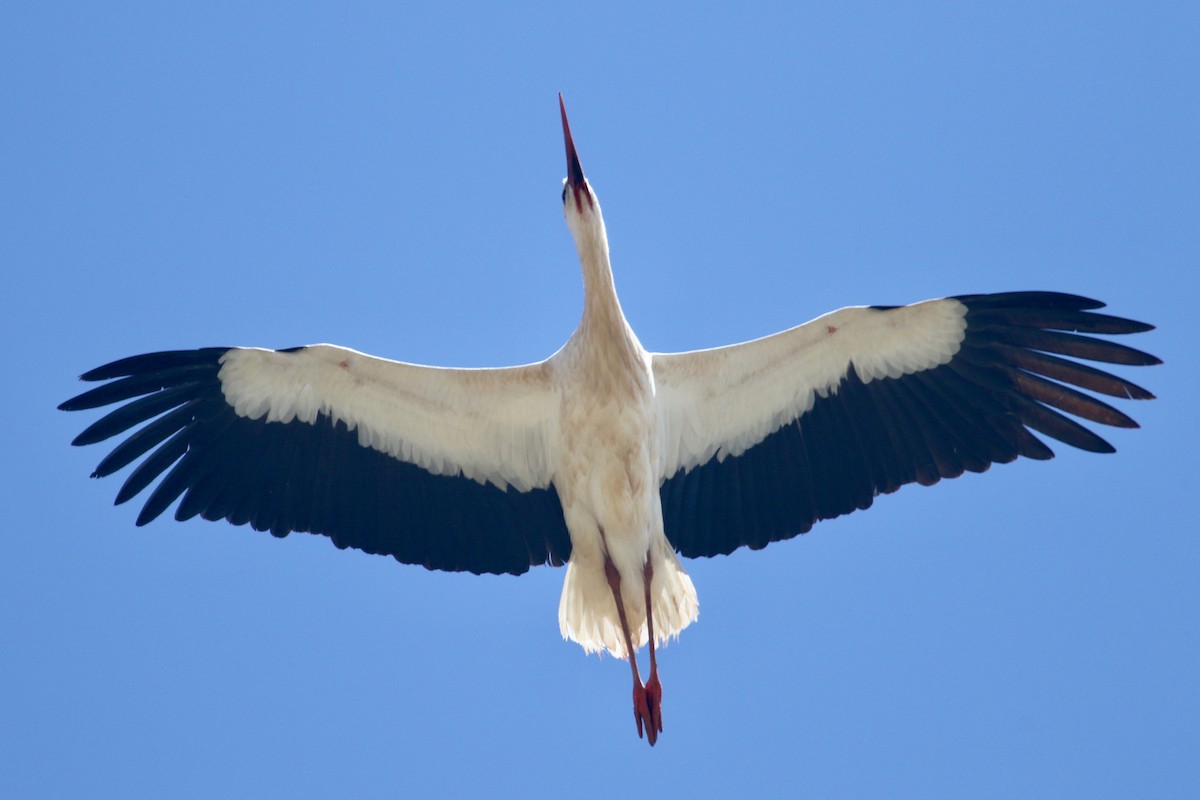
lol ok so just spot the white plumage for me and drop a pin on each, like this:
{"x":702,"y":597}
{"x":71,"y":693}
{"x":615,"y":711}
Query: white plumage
{"x":605,"y":457}
{"x":725,"y":400}
{"x":491,"y":425}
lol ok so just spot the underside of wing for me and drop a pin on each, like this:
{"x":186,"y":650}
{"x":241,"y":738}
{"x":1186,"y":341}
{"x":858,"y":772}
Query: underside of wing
{"x":320,"y":442}
{"x":904,"y":398}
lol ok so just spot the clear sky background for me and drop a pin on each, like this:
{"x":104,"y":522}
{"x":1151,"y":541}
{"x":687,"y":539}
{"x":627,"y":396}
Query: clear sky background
{"x":387,"y":177}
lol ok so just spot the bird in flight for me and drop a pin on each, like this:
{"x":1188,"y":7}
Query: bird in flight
{"x":605,"y":457}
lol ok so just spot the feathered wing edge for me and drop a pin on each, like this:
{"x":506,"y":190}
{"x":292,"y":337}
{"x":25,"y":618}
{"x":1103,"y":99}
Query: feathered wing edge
{"x":905,"y":396}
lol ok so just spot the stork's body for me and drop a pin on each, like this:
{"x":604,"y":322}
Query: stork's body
{"x":607,"y":471}
{"x":606,"y":457}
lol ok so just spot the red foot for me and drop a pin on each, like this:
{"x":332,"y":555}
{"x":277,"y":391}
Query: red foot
{"x":647,"y":709}
{"x":654,"y":701}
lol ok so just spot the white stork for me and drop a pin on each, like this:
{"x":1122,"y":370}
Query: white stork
{"x":605,"y":457}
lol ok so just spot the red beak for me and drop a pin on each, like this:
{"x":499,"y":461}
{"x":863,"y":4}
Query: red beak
{"x":574,"y":170}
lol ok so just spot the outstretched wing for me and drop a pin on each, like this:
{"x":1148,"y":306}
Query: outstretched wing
{"x":762,"y":439}
{"x":448,"y":468}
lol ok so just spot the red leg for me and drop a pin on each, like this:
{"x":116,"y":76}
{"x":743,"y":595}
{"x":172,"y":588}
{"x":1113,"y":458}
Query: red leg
{"x":653,"y":687}
{"x":641,"y":703}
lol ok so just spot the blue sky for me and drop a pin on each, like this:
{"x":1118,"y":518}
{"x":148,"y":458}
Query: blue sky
{"x":387,"y":178}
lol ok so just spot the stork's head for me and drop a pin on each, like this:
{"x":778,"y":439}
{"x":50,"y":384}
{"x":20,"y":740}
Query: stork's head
{"x":579,"y":202}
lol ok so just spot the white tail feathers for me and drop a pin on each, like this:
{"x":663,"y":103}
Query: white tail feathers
{"x":587,"y":613}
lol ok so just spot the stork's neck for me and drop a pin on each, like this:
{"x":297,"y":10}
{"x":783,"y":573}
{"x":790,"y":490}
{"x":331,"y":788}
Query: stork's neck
{"x":602,"y":314}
